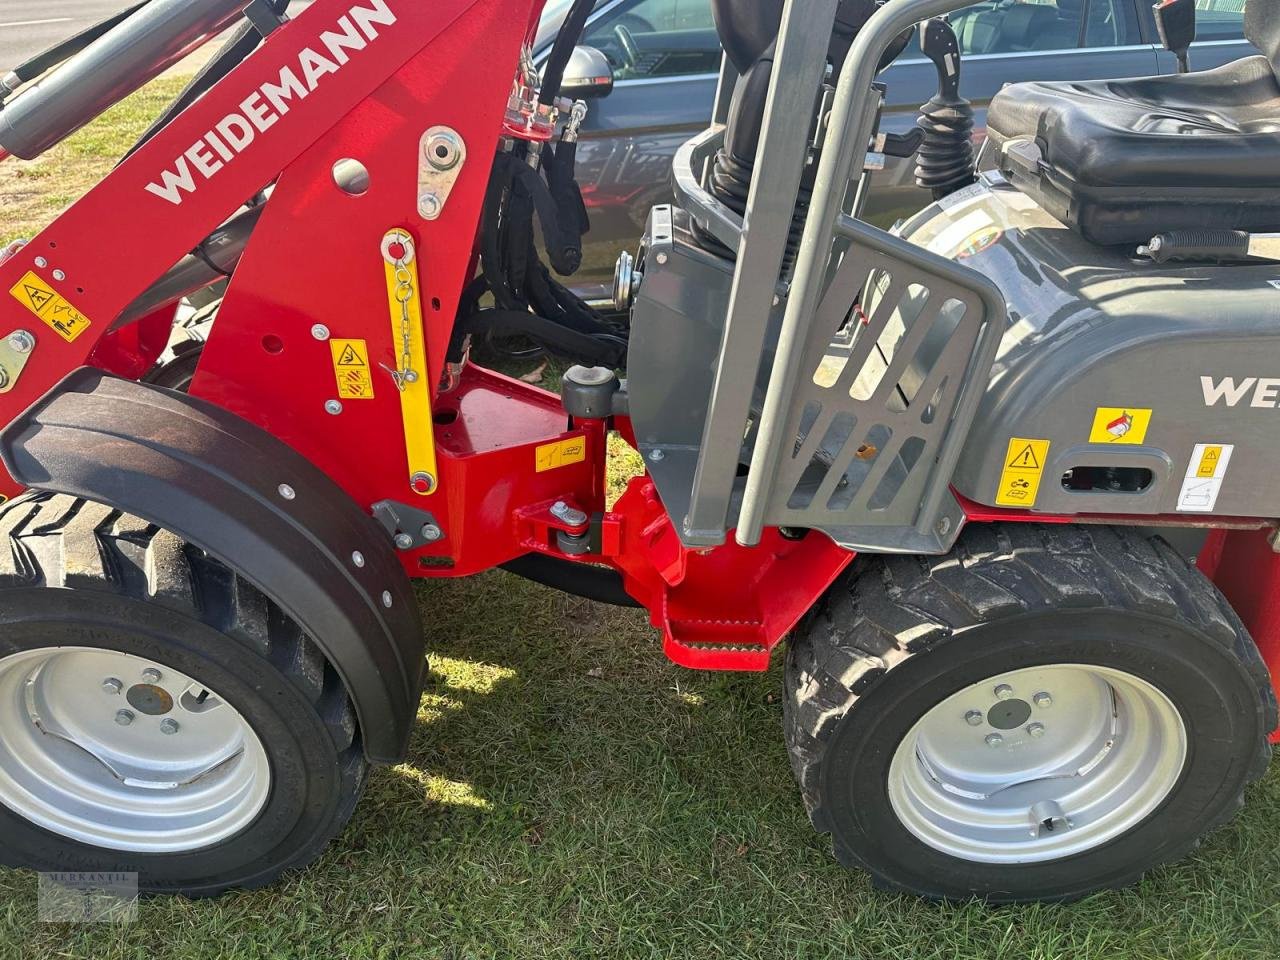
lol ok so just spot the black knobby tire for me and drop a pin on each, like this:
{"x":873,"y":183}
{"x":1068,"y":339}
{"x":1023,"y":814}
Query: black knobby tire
{"x":897,"y":635}
{"x":81,"y":574}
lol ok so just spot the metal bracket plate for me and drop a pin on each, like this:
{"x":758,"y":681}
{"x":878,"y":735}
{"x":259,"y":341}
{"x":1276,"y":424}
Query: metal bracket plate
{"x":441,"y":156}
{"x":15,"y":351}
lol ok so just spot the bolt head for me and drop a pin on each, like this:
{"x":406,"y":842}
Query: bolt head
{"x":320,"y":331}
{"x":59,"y":275}
{"x":662,"y":258}
{"x":386,"y":599}
{"x":357,"y":558}
{"x":1004,"y":691}
{"x":124,"y":717}
{"x":20,"y":341}
{"x":41,"y":262}
{"x":333,"y":407}
{"x":286,"y":491}
{"x":151,"y":675}
{"x":994,"y":740}
{"x":112,"y":686}
{"x":1035,"y":729}
{"x":431,"y":533}
{"x":169,"y":726}
{"x":1042,"y":700}
{"x":973,"y":718}
{"x":403,"y":541}
{"x":429,"y":205}
{"x":656,"y":455}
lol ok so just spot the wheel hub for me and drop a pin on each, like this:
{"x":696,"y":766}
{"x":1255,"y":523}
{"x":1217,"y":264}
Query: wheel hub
{"x":118,"y":752}
{"x":1037,"y":764}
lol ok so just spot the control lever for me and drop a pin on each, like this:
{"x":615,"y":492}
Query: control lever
{"x":944,"y":163}
{"x":1211,"y":246}
{"x":899,"y":144}
{"x":1176,"y":24}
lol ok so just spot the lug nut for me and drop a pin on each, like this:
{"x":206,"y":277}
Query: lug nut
{"x":1042,"y":700}
{"x":151,"y":675}
{"x":1004,"y":691}
{"x":994,"y":739}
{"x":124,"y":717}
{"x":973,"y":718}
{"x":169,"y":726}
{"x":1036,"y":729}
{"x":112,"y":685}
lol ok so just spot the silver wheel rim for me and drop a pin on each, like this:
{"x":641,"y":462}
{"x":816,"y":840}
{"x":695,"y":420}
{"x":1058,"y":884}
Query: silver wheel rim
{"x":124,"y":753}
{"x":1037,"y":764}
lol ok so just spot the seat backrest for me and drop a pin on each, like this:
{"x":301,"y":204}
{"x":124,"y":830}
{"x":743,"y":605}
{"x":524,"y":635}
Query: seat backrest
{"x":1262,"y":29}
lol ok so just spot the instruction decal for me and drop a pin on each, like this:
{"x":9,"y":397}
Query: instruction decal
{"x":551,"y":456}
{"x":1206,"y":470}
{"x":351,"y":368}
{"x":1023,"y":467}
{"x":1126,"y":425}
{"x":47,"y":304}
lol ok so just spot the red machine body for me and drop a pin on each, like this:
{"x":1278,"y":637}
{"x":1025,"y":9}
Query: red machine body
{"x":315,"y":259}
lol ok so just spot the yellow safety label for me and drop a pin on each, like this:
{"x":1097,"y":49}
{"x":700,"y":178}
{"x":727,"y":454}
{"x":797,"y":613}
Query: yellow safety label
{"x":351,"y":368}
{"x":550,"y":456}
{"x":1120,"y":425}
{"x":1210,"y":459}
{"x":1023,"y":467}
{"x":50,"y":306}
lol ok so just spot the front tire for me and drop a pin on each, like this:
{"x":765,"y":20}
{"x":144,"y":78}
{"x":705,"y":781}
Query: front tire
{"x":158,"y":714}
{"x":1042,"y":713}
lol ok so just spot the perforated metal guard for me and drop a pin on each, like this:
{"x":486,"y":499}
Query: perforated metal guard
{"x":885,"y":396}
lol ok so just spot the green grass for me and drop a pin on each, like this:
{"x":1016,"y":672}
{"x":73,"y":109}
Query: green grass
{"x":568,"y":793}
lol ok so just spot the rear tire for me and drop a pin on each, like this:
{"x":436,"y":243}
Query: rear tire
{"x":84,"y":586}
{"x":895,"y":673}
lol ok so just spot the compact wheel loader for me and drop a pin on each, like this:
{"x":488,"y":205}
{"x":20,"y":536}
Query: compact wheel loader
{"x":1003,"y":477}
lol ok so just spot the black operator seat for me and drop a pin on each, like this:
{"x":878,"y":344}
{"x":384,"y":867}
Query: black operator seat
{"x":1122,"y":160}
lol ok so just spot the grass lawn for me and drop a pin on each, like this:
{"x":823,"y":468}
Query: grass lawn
{"x":569,"y":793}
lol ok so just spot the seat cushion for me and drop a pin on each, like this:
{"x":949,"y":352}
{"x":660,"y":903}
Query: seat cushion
{"x":1122,"y":160}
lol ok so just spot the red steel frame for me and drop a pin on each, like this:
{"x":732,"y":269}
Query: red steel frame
{"x":314,"y":258}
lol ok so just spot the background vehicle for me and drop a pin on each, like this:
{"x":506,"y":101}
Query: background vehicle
{"x":659,"y":101}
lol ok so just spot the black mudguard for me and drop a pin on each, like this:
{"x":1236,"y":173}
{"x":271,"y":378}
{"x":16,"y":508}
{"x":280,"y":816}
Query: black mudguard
{"x":215,"y":480}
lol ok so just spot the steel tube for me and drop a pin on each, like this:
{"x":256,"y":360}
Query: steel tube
{"x":108,"y":70}
{"x":847,"y":142}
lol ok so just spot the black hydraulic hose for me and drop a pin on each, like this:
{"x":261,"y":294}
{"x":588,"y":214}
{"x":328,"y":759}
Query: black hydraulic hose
{"x":47,"y":60}
{"x":564,"y":244}
{"x":580,"y":579}
{"x":570,"y":33}
{"x":599,"y":349}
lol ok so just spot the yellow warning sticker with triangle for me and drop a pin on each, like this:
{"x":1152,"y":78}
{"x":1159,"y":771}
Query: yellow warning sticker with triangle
{"x":351,"y":368}
{"x":1023,"y":467}
{"x":47,"y":304}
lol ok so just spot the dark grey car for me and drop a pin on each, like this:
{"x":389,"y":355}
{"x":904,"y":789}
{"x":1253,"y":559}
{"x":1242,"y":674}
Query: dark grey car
{"x":666,"y":57}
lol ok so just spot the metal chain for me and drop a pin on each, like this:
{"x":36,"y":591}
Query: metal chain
{"x":404,"y":293}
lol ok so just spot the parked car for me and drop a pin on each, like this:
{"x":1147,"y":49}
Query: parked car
{"x":666,"y":58}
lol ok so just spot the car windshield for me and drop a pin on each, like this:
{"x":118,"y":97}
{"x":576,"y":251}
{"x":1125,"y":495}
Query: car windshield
{"x":553,"y":15}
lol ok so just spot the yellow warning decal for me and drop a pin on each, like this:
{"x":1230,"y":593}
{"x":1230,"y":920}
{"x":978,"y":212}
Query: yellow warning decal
{"x":550,"y":456}
{"x":1210,"y":459}
{"x":1120,"y":425}
{"x":47,"y":304}
{"x":351,"y":367}
{"x":1023,"y":467}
